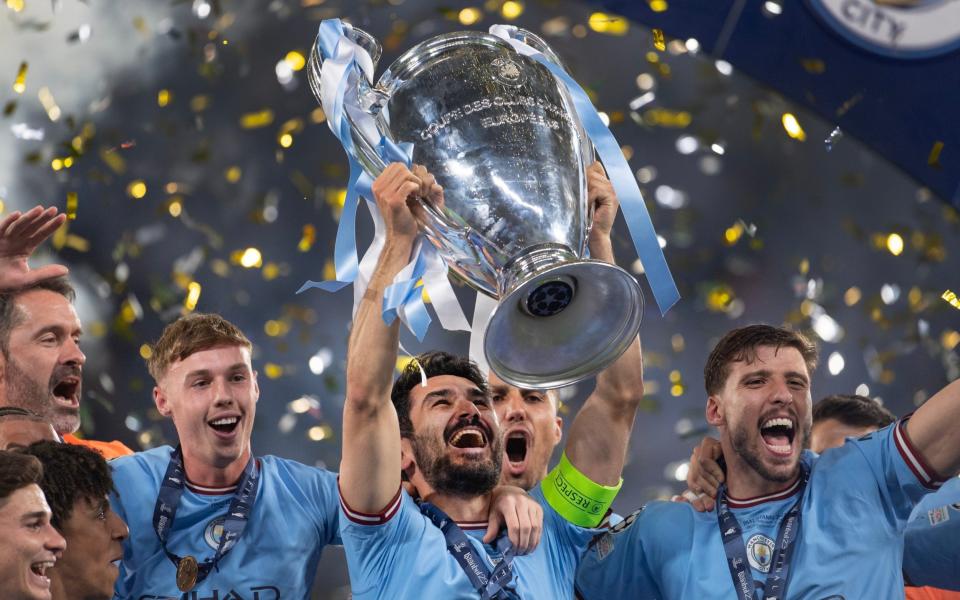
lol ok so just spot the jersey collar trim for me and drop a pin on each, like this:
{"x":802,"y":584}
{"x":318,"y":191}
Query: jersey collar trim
{"x":748,"y":502}
{"x":206,"y":490}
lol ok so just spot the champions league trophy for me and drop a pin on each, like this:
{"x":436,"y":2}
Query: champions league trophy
{"x":500,"y":133}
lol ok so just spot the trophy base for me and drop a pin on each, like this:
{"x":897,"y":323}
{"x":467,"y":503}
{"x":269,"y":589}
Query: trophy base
{"x":563,"y":325}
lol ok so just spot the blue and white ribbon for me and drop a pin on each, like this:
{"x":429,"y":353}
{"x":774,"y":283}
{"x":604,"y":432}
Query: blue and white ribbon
{"x":631,"y":201}
{"x":344,"y":61}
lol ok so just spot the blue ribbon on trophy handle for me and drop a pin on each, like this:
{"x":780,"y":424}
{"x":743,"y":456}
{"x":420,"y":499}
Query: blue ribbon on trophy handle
{"x":631,"y":201}
{"x":344,"y":59}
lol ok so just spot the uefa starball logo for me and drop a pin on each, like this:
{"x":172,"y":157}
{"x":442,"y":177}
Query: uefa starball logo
{"x":896,"y":28}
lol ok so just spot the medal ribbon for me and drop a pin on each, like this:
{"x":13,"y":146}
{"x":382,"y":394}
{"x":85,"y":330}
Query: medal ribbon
{"x":775,"y":587}
{"x":165,"y":510}
{"x":490,"y":587}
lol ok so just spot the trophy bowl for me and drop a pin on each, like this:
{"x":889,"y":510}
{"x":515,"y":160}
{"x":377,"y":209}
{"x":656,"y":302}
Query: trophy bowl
{"x":500,"y":134}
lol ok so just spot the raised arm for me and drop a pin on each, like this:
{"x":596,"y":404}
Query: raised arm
{"x":370,"y":465}
{"x":20,"y":234}
{"x":934,"y":433}
{"x":597,"y":444}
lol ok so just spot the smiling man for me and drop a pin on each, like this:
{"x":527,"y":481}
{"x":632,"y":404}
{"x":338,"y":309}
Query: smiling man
{"x":29,"y":545}
{"x":436,"y":425}
{"x":785,"y":516}
{"x":208,"y":519}
{"x":76,"y":482}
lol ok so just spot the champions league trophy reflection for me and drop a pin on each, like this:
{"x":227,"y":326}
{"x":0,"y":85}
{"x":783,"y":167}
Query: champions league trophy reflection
{"x":500,"y":133}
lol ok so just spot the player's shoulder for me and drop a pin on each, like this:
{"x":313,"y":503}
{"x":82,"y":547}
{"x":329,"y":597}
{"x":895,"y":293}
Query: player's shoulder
{"x":293,"y":474}
{"x":658,"y":518}
{"x":853,"y":451}
{"x":154,"y":460}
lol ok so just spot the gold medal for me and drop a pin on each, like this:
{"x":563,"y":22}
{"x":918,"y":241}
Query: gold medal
{"x":187,"y":571}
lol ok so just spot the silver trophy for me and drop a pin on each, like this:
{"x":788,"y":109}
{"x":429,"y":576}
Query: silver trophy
{"x":500,"y":134}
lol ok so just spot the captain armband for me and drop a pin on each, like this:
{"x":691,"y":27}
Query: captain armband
{"x":578,"y":499}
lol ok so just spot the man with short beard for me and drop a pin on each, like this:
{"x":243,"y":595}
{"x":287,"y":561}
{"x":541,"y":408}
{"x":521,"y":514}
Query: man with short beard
{"x":41,"y":363}
{"x":785,"y":516}
{"x":437,"y":427}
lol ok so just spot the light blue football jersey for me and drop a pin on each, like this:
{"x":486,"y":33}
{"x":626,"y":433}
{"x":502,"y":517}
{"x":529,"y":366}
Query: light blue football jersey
{"x":294,"y":516}
{"x":850,"y":547}
{"x":931,"y":553}
{"x":399,"y":554}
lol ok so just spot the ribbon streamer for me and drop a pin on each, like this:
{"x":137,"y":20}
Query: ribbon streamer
{"x":344,"y":61}
{"x":631,"y":200}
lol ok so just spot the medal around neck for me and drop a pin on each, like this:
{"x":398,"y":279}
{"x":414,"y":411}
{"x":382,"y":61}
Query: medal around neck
{"x":187,"y":571}
{"x":501,"y":134}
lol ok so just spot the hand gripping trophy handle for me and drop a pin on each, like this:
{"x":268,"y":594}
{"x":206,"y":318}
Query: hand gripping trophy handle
{"x":500,"y":133}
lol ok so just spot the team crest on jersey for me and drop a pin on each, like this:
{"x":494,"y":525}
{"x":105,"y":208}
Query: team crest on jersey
{"x":213,"y":533}
{"x":760,"y":552}
{"x":898,"y":28}
{"x":938,"y":515}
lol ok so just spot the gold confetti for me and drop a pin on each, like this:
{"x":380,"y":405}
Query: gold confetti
{"x":667,"y":118}
{"x":951,"y":299}
{"x":60,"y":235}
{"x":792,"y":126}
{"x":719,"y":298}
{"x":137,"y":189}
{"x":677,"y":342}
{"x":76,"y":243}
{"x":608,"y":23}
{"x":257,"y":119}
{"x":49,"y":104}
{"x":71,"y":205}
{"x":20,"y":83}
{"x":732,"y":234}
{"x":163,"y":98}
{"x":200,"y":103}
{"x":308,"y":238}
{"x":193,"y":296}
{"x":15,"y":5}
{"x":895,"y":244}
{"x":511,"y":9}
{"x":146,"y":351}
{"x":116,"y":162}
{"x":272,"y":370}
{"x":233,"y":174}
{"x":950,"y":339}
{"x":276,"y":328}
{"x":317,"y":115}
{"x":934,"y":158}
{"x":852,"y":296}
{"x":814,"y":66}
{"x":469,"y":16}
{"x":175,"y":206}
{"x":251,"y":259}
{"x":295,"y":59}
{"x":658,"y":42}
{"x":657,"y":6}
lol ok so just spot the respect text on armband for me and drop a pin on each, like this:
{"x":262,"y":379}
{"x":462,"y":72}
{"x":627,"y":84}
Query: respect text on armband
{"x":575,"y":497}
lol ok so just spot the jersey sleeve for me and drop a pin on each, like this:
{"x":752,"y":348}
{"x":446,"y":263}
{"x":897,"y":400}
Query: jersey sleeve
{"x":371,"y":540}
{"x":327,"y":498}
{"x":567,"y":542}
{"x":887,"y":463}
{"x":931,"y":553}
{"x":627,"y":560}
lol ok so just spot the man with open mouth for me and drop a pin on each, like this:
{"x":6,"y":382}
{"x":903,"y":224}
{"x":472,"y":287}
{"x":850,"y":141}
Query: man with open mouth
{"x":208,"y":518}
{"x":532,"y":428}
{"x":788,"y":522}
{"x":29,"y":546}
{"x":76,"y":482}
{"x":41,"y":363}
{"x":436,"y":427}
